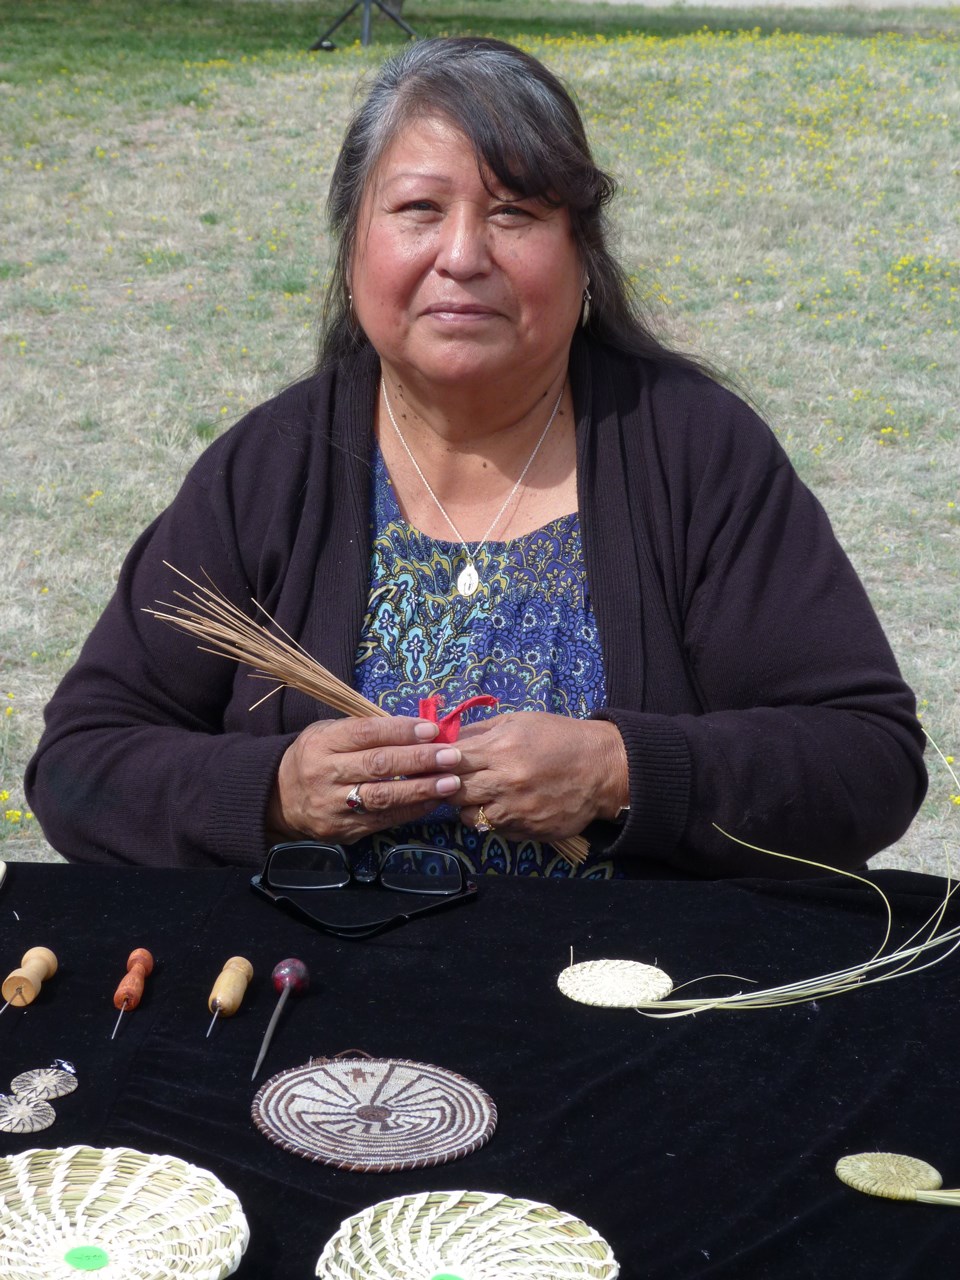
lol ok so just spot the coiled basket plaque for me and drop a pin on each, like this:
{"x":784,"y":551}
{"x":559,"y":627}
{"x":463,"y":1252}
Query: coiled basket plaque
{"x":374,"y":1115}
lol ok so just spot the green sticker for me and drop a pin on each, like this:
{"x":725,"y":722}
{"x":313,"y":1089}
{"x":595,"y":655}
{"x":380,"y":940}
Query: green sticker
{"x":444,"y":1275}
{"x":86,"y":1257}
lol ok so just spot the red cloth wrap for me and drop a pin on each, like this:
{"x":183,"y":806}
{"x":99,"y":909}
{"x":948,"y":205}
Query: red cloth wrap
{"x":450,"y":723}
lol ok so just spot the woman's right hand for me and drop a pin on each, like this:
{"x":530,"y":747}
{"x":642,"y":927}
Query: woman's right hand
{"x":401,"y":772}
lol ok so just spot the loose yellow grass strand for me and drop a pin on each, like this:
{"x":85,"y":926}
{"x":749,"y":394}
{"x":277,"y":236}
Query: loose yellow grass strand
{"x":946,"y":763}
{"x":940,"y":1197}
{"x":882,"y":967}
{"x":897,"y":964}
{"x":822,"y":866}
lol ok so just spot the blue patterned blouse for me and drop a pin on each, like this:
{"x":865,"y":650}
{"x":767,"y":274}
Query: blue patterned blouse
{"x":527,"y":636}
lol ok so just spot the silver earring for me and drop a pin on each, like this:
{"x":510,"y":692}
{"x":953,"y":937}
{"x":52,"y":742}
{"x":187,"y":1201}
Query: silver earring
{"x":585,"y":309}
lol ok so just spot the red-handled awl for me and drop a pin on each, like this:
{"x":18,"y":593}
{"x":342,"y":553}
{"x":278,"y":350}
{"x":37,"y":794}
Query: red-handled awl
{"x":130,"y":991}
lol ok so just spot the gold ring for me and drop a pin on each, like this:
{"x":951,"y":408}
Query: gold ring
{"x":483,"y":823}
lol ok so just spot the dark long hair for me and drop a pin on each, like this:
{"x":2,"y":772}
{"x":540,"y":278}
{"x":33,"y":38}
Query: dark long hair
{"x":526,"y":130}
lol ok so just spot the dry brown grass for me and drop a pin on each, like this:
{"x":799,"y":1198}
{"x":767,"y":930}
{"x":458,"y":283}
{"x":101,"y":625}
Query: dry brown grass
{"x":162,"y":257}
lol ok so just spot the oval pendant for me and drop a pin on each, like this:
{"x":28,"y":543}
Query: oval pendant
{"x":469,"y":580}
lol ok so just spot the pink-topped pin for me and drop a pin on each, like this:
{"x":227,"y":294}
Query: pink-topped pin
{"x":290,"y":976}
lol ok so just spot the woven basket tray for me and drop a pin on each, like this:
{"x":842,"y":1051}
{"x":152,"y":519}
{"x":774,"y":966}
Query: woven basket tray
{"x":465,"y":1235}
{"x":116,"y":1214}
{"x":374,"y":1115}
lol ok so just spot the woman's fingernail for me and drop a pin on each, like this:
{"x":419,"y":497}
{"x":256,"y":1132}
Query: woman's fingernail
{"x":425,"y":731}
{"x":447,"y":756}
{"x":448,"y":785}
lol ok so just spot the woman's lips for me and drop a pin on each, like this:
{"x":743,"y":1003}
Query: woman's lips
{"x":464,"y":311}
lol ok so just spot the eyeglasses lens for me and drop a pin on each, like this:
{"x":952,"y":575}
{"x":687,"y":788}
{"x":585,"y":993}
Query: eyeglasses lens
{"x":416,"y":870}
{"x":309,"y":866}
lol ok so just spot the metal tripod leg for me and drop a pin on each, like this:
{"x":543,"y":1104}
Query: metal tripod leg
{"x":324,"y":41}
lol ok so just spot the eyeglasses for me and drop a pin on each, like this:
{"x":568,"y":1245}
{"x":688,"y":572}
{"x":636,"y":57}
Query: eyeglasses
{"x":296,"y":874}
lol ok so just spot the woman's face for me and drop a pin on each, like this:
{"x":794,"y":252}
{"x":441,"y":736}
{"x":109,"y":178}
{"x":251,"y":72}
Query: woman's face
{"x":453,"y":283}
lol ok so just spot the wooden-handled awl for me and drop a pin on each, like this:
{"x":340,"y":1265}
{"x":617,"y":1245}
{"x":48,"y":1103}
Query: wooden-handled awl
{"x":229,"y":988}
{"x":22,"y":986}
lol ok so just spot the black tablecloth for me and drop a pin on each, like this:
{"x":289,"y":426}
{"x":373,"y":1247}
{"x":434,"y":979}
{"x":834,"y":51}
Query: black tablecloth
{"x":700,"y":1147}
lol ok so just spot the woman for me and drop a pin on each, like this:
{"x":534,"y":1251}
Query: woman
{"x":497,"y":482}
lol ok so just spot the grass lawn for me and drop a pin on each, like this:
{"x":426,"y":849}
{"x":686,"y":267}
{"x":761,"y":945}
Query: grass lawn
{"x":790,"y":181}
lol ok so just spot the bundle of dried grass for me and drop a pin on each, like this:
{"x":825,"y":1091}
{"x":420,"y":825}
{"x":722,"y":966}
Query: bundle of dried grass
{"x":225,"y":629}
{"x":928,"y":946}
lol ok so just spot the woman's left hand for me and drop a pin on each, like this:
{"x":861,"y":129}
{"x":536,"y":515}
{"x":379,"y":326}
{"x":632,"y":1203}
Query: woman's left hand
{"x":541,"y":776}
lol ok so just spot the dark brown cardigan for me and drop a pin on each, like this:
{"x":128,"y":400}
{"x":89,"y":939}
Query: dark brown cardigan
{"x":745,"y":667}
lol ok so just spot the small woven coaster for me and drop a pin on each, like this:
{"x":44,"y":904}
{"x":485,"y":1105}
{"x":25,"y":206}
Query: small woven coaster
{"x":24,"y":1115}
{"x":465,"y":1235}
{"x":117,"y":1212}
{"x":614,"y":984}
{"x":374,"y":1115}
{"x":44,"y":1082}
{"x":883,"y":1173}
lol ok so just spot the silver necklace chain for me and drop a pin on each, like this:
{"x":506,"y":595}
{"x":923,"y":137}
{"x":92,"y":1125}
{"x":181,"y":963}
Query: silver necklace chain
{"x":469,"y":579}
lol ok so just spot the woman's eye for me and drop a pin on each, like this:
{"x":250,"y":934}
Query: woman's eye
{"x":512,"y":212}
{"x":417,"y":206}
